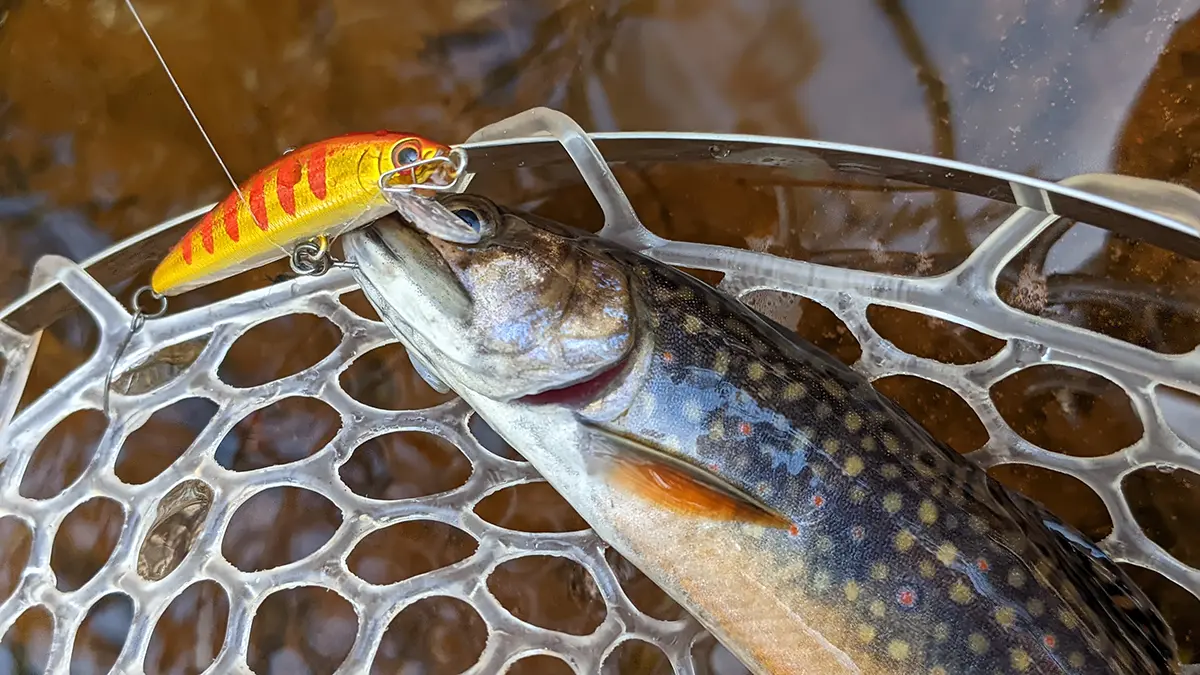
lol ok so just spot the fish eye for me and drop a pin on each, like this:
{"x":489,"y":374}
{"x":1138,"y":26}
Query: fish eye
{"x":470,"y":217}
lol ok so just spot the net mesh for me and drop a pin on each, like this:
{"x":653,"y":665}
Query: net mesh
{"x":174,"y":523}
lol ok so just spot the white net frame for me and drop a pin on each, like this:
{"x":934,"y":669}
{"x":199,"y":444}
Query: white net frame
{"x":966,"y":295}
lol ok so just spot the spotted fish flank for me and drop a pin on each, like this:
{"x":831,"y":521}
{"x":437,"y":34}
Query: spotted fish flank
{"x":811,"y":524}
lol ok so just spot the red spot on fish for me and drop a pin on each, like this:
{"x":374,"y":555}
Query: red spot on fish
{"x":668,"y":357}
{"x":794,"y":530}
{"x":315,"y":164}
{"x":818,"y":501}
{"x":229,"y":219}
{"x":258,"y":202}
{"x":185,"y":248}
{"x":1050,"y":641}
{"x":982,"y":565}
{"x":714,"y":466}
{"x":858,"y":533}
{"x":906,"y":597}
{"x":745,"y":428}
{"x":285,"y":182}
{"x":206,"y":234}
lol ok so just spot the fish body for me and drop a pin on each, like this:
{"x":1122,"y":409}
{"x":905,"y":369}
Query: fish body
{"x":325,"y":188}
{"x":810,"y":524}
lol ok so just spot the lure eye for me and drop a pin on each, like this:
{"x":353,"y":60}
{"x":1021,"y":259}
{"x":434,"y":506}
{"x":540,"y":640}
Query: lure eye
{"x":407,"y":155}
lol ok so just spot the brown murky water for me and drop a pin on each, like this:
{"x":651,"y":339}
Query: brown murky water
{"x":96,"y":147}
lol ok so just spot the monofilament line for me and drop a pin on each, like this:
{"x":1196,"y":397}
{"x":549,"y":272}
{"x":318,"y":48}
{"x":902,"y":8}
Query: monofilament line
{"x":138,"y":17}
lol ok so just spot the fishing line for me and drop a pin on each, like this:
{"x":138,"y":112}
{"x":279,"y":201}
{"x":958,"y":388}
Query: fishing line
{"x":137,"y":17}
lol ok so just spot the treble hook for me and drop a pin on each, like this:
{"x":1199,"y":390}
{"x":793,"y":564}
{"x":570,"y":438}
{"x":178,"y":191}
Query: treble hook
{"x":135,"y":324}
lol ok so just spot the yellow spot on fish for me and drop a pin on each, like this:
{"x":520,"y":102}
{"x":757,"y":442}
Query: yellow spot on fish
{"x":1075,"y":659}
{"x":941,"y":632}
{"x":1020,"y":660}
{"x":892,"y":502}
{"x":755,"y":371}
{"x":879,"y":571}
{"x":716,"y":430}
{"x":1068,"y":618}
{"x":857,"y":494}
{"x":890,"y":471}
{"x":853,"y":421}
{"x":947,"y":553}
{"x":794,"y":392}
{"x":1006,"y":616}
{"x":693,"y":412}
{"x":854,"y":466}
{"x":692,"y":324}
{"x":831,"y":446}
{"x":868,"y":444}
{"x":977,"y":643}
{"x":898,"y":650}
{"x":852,"y":590}
{"x":904,"y":540}
{"x":891,"y":444}
{"x":927,"y":512}
{"x":721,"y":363}
{"x":866,"y":632}
{"x":1036,"y":607}
{"x":821,"y":580}
{"x":1016,"y":577}
{"x":926,"y":568}
{"x":878,"y":608}
{"x":835,"y":390}
{"x":960,"y":593}
{"x":938,"y":670}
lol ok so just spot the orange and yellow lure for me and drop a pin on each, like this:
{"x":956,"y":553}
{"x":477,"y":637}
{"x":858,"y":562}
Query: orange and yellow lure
{"x":323,"y":189}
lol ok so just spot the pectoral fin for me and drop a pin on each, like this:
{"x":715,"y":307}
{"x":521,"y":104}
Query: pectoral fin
{"x":675,"y":484}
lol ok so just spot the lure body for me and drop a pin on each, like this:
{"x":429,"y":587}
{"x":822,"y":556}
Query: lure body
{"x":326,"y":188}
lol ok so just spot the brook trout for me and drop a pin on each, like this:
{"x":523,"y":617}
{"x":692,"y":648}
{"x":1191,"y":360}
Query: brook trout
{"x":808,"y":522}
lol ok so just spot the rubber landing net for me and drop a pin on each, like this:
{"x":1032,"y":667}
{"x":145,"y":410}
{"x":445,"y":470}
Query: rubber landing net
{"x":173,"y":524}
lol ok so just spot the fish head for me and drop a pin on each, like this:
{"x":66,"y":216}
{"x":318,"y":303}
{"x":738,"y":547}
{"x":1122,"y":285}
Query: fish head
{"x":527,"y":309}
{"x":405,"y":159}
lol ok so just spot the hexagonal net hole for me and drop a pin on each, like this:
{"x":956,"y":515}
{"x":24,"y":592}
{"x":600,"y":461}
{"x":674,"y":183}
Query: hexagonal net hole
{"x":1166,"y":503}
{"x":1065,"y":496}
{"x":408,"y":549}
{"x":530,"y":507}
{"x":155,"y":445}
{"x":438,"y":636}
{"x":384,"y":378}
{"x":286,"y":431}
{"x":1129,"y":290}
{"x":102,"y":634}
{"x":277,"y":349}
{"x":941,"y":410}
{"x":541,"y":664}
{"x":637,"y":656}
{"x":307,"y":629}
{"x":930,"y":337}
{"x":808,"y":319}
{"x":190,"y":632}
{"x":84,"y":541}
{"x":16,"y":539}
{"x":550,"y":592}
{"x":404,"y":465}
{"x":64,"y":346}
{"x":63,"y":454}
{"x":25,"y":648}
{"x":279,"y":526}
{"x":1067,"y":410}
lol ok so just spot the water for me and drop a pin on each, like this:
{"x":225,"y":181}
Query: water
{"x":96,"y":147}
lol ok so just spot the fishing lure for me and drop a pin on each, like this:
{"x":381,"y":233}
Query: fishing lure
{"x":310,"y":194}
